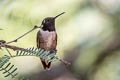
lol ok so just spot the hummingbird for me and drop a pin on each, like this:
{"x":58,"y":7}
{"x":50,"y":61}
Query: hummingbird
{"x":47,"y":37}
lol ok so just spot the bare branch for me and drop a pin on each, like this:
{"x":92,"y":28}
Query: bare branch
{"x":13,"y":47}
{"x":3,"y":44}
{"x":63,"y":61}
{"x":35,"y":27}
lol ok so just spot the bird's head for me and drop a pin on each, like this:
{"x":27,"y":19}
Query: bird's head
{"x":49,"y":23}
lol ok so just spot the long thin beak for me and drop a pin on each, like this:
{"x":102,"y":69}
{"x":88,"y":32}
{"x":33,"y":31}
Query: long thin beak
{"x":59,"y":15}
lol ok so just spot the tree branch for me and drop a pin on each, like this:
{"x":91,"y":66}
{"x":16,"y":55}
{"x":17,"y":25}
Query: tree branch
{"x":5,"y":43}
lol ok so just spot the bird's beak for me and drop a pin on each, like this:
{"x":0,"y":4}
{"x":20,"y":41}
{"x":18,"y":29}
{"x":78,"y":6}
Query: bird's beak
{"x":59,"y":15}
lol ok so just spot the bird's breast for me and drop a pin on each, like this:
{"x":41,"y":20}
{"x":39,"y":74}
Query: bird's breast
{"x":47,"y":39}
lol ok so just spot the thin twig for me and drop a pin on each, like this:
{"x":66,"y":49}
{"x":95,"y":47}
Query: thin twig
{"x":17,"y":48}
{"x":35,"y":27}
{"x":63,"y":61}
{"x":13,"y":47}
{"x":8,"y":52}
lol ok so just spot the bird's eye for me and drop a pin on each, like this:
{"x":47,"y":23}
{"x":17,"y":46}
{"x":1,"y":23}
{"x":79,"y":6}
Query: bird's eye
{"x":46,"y":21}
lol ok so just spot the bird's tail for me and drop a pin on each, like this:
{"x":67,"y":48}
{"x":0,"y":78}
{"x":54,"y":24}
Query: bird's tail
{"x":46,"y":65}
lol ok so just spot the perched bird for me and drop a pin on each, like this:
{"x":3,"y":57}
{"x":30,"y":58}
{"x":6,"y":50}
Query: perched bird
{"x":47,"y":37}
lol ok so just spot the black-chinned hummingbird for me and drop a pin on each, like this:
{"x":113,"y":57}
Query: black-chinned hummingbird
{"x":47,"y":37}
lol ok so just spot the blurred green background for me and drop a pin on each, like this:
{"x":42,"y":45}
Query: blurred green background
{"x":88,"y":37}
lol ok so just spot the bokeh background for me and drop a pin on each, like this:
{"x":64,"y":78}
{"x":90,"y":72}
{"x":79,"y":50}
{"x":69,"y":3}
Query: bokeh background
{"x":88,"y":37}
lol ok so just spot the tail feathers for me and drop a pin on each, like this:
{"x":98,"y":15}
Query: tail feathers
{"x":46,"y":65}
